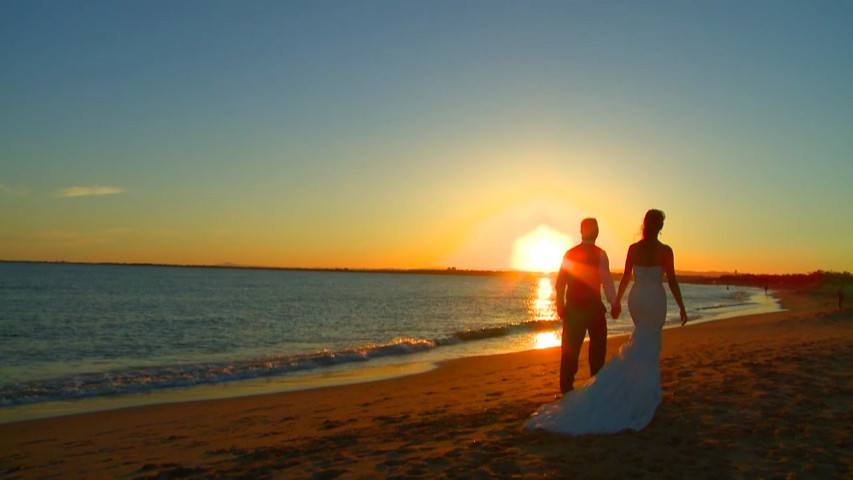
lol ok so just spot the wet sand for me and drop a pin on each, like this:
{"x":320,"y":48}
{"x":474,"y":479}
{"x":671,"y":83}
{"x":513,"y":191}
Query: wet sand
{"x":762,"y":396}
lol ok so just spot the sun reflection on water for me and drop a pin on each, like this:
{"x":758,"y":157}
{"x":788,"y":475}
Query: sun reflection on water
{"x":541,"y":309}
{"x":541,"y":303}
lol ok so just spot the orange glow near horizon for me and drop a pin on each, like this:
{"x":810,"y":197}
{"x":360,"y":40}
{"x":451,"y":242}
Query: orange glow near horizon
{"x":540,"y":250}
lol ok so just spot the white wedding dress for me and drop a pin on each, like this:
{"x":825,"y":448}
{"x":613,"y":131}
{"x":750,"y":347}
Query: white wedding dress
{"x":626,"y":391}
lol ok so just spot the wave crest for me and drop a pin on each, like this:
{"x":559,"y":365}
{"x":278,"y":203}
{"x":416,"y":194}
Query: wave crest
{"x":153,"y":378}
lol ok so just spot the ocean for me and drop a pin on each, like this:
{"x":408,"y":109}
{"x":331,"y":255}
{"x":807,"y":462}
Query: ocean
{"x":77,"y":337}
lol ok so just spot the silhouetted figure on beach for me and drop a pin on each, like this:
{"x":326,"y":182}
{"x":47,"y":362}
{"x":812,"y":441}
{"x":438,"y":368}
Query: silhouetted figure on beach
{"x":584,"y":270}
{"x":840,"y":294}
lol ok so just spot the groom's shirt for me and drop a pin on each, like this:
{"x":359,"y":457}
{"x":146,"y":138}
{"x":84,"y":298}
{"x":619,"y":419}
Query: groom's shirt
{"x":587,"y":268}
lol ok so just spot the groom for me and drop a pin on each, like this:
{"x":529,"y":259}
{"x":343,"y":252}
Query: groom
{"x":584,"y":270}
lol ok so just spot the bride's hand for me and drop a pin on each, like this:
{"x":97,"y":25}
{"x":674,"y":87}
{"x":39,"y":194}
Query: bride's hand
{"x":683,"y":317}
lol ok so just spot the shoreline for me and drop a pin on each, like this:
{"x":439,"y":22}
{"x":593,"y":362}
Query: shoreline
{"x":761,"y":395}
{"x":344,"y":374}
{"x":209,"y":392}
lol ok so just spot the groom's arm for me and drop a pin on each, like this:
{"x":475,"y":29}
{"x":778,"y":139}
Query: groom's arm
{"x":607,"y":280}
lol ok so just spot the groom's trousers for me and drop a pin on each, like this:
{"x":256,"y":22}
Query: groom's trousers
{"x":578,"y":319}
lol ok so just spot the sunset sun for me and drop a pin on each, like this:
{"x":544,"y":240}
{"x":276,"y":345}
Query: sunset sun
{"x":540,"y":250}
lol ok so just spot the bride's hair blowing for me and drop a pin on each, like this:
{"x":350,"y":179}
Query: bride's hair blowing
{"x":653,"y":223}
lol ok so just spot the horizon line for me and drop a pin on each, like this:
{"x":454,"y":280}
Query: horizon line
{"x":710,"y":274}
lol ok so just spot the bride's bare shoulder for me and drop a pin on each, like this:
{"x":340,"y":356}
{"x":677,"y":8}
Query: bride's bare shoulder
{"x":635,"y":251}
{"x":644,"y":253}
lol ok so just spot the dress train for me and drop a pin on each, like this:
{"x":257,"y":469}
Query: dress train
{"x":626,"y":391}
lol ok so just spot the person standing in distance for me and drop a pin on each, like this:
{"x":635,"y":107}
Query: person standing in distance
{"x":584,"y":270}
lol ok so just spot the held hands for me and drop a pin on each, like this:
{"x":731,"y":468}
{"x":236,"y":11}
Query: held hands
{"x":615,"y":311}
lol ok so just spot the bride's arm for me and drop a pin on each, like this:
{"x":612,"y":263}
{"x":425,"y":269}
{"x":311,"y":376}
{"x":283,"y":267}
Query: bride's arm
{"x":626,"y":277}
{"x":669,"y":267}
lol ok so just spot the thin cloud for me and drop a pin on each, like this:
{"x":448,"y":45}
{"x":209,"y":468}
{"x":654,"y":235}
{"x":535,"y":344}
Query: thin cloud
{"x":55,"y":237}
{"x":119,"y":230}
{"x":88,"y":191}
{"x":13,"y":191}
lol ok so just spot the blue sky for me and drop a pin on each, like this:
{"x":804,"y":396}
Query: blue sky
{"x":416,"y":134}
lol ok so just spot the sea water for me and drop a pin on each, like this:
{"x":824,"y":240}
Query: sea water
{"x":70,"y":332}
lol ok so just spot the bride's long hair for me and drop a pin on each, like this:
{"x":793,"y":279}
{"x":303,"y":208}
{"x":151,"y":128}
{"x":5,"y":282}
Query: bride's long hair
{"x":653,"y":223}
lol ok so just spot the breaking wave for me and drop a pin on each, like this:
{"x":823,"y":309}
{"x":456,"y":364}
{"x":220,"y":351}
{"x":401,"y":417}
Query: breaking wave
{"x":139,"y":380}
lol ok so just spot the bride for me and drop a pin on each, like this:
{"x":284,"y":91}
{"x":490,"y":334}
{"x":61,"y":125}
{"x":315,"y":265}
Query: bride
{"x":626,"y":391}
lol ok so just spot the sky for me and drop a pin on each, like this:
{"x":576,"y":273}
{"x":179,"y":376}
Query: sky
{"x":425,"y":134}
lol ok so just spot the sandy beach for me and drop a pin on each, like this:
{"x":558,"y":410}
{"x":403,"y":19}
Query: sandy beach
{"x":763,"y":396}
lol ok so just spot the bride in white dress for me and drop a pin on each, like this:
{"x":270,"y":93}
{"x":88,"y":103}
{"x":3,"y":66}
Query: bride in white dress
{"x":626,"y":391}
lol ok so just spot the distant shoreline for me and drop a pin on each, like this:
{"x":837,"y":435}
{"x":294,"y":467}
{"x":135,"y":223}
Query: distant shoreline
{"x":818,"y":277}
{"x":429,"y":271}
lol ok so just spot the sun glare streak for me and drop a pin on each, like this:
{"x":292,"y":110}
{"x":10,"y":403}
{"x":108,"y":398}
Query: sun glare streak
{"x":540,"y":250}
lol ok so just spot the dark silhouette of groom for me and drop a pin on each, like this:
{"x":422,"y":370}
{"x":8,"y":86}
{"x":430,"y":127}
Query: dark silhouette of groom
{"x":584,"y":270}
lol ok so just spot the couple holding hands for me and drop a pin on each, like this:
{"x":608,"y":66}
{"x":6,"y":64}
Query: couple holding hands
{"x":625,"y":392}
